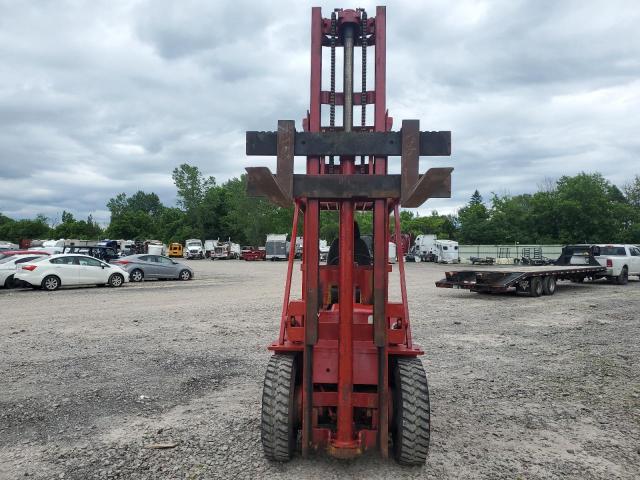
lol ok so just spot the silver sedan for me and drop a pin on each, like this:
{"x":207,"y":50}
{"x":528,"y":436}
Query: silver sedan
{"x":147,"y":266}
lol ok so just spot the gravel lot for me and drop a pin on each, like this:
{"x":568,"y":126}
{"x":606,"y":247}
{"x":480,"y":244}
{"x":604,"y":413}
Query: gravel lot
{"x":521,"y":387}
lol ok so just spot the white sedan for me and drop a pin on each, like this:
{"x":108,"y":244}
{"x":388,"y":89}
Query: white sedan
{"x":9,"y":265}
{"x":55,"y":271}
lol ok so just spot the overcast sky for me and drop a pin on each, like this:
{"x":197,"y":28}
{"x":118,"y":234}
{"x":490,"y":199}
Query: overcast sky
{"x":101,"y":97}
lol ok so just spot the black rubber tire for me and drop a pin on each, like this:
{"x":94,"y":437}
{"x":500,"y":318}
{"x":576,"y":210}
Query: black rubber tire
{"x":116,"y":280}
{"x":9,"y":282}
{"x":411,"y":425}
{"x":136,"y":275}
{"x":279,"y":424}
{"x":623,"y":278}
{"x":535,"y":287}
{"x":549,"y":285}
{"x":184,"y":275}
{"x":50,"y":283}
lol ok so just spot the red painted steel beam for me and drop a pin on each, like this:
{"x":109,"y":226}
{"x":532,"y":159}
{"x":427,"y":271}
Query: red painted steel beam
{"x":344,"y":434}
{"x":287,"y":287}
{"x":311,"y":236}
{"x":403,"y":283}
{"x":381,"y":250}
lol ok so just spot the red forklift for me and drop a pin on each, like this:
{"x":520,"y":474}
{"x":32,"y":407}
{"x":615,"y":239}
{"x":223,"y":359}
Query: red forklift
{"x":345,"y":376}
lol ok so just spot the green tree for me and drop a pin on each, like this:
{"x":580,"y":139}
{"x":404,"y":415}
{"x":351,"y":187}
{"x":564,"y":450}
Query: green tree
{"x":16,"y":230}
{"x":474,"y":221}
{"x":585,"y":208}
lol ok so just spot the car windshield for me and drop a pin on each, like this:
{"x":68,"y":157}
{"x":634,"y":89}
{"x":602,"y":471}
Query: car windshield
{"x":6,"y":259}
{"x":193,"y":244}
{"x":613,"y":251}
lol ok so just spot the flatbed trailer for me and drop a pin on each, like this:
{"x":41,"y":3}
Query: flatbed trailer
{"x":534,"y":280}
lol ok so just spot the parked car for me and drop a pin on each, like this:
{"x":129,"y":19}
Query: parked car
{"x":147,"y":266}
{"x":103,"y":253}
{"x":9,"y":265}
{"x":10,"y":253}
{"x":620,"y":261}
{"x":50,"y":273}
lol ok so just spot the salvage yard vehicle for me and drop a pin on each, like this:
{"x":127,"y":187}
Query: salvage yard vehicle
{"x":446,"y":251}
{"x":249,"y":253}
{"x":145,"y":266}
{"x":620,"y":261}
{"x":175,"y":250}
{"x":194,"y":249}
{"x":100,"y":252}
{"x":277,"y":246}
{"x":7,"y":246}
{"x":9,"y":265}
{"x":413,"y":255}
{"x":50,"y":273}
{"x":426,"y":246}
{"x":10,"y":253}
{"x":576,"y":262}
{"x":209,"y":247}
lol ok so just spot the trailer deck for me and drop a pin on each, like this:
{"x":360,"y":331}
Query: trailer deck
{"x":522,"y":278}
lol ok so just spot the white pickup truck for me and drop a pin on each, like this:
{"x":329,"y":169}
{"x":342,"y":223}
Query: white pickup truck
{"x":620,"y":261}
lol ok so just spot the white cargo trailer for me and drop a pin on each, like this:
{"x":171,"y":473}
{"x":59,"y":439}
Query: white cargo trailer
{"x":276,"y":246}
{"x":446,"y":251}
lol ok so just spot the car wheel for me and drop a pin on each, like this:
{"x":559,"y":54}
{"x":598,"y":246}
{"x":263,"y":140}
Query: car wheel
{"x":623,"y":278}
{"x":185,"y":275}
{"x":9,"y":283}
{"x":535,"y":287}
{"x":51,"y":283}
{"x":549,"y":285}
{"x":137,"y":275}
{"x":116,"y":280}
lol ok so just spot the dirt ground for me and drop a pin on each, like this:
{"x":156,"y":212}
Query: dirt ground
{"x":520,"y":387}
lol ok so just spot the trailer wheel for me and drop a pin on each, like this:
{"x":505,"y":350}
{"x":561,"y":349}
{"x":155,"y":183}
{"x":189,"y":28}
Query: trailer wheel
{"x":279,"y":422}
{"x":535,"y":287}
{"x":549,"y":285}
{"x":410,"y":429}
{"x":623,"y":278}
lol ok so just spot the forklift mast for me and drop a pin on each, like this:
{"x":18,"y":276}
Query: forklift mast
{"x":344,"y":355}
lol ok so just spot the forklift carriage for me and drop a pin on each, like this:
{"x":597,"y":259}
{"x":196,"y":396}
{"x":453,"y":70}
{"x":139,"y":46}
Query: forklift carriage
{"x":345,"y":375}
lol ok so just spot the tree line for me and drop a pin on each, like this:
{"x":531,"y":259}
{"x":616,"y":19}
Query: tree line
{"x":581,"y":208}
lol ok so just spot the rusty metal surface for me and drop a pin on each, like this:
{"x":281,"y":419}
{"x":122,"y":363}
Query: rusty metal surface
{"x":344,"y":431}
{"x":370,"y":97}
{"x":286,"y":139}
{"x":436,"y":183}
{"x":346,"y":186}
{"x":357,"y":142}
{"x":262,"y":183}
{"x":410,"y":156}
{"x":357,"y":177}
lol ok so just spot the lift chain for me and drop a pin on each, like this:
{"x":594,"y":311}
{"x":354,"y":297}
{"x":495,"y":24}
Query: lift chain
{"x":332,"y":94}
{"x":363,"y":95}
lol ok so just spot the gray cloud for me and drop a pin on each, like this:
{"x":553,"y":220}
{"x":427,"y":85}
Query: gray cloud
{"x":102,"y":97}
